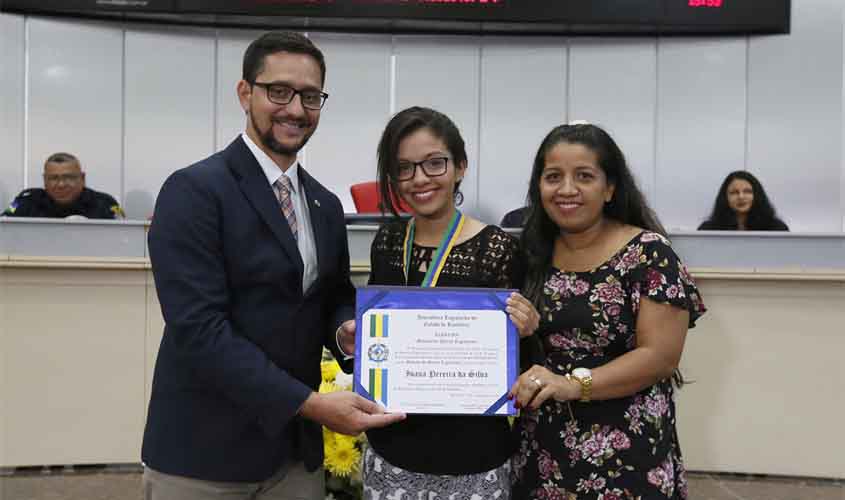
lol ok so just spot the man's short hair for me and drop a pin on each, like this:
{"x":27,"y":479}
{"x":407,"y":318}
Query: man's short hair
{"x":279,"y":41}
{"x":61,"y":158}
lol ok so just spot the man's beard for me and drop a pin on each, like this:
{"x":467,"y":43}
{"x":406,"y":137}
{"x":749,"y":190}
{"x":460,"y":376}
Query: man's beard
{"x":269,"y":140}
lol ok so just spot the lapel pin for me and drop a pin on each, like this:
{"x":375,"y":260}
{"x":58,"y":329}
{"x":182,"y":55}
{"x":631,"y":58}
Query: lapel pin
{"x":317,"y":202}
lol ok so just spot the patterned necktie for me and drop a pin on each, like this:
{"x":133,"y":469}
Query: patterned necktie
{"x":285,"y":187}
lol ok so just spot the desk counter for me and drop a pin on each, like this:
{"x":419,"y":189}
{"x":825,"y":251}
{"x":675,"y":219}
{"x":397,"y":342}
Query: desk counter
{"x":80,"y":326}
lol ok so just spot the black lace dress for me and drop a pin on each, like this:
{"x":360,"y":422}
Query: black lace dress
{"x":624,"y":448}
{"x":448,"y":455}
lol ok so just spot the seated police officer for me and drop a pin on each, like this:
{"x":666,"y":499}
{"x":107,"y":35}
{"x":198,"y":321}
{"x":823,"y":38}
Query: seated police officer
{"x":64,"y":194}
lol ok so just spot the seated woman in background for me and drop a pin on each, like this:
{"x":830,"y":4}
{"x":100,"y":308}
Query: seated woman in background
{"x":422,"y":159}
{"x":742,"y":205}
{"x":615,"y":304}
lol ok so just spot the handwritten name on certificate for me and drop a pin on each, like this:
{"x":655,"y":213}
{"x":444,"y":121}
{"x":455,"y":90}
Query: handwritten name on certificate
{"x":436,"y":350}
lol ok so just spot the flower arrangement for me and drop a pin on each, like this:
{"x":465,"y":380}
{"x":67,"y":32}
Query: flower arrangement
{"x":342,"y":453}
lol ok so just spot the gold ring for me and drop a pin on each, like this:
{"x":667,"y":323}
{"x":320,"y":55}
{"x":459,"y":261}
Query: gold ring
{"x":538,"y":382}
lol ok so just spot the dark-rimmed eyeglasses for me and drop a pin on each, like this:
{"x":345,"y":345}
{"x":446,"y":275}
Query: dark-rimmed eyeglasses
{"x":432,"y":167}
{"x":279,"y":93}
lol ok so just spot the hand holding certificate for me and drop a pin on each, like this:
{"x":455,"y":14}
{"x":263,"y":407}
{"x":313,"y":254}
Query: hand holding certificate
{"x":436,"y":350}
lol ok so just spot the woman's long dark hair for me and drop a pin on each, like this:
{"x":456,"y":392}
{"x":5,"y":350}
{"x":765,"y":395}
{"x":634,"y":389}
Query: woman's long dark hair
{"x":628,"y":205}
{"x":760,"y":217}
{"x":403,"y":124}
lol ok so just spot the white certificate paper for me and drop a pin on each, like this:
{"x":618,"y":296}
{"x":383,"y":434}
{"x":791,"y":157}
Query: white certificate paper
{"x":436,"y":351}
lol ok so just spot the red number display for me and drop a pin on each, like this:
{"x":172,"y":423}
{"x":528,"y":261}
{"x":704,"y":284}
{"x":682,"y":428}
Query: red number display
{"x":705,"y":3}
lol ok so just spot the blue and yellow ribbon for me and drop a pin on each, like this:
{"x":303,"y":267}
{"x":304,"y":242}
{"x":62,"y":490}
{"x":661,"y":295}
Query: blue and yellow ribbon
{"x":438,"y":260}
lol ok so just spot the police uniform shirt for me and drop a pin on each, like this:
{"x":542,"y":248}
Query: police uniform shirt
{"x":35,"y":202}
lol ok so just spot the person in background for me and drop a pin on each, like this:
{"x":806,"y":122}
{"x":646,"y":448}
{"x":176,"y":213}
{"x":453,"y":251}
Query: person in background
{"x":422,"y":158}
{"x":251,"y":264}
{"x":742,"y":205}
{"x":515,"y":218}
{"x":615,"y":304}
{"x":64,"y":194}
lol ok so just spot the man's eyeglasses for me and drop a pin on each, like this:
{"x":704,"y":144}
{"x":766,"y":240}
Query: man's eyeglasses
{"x":432,"y":167}
{"x":279,"y":93}
{"x":59,"y":178}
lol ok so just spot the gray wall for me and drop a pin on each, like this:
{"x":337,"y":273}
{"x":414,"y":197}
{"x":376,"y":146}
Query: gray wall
{"x":137,"y":102}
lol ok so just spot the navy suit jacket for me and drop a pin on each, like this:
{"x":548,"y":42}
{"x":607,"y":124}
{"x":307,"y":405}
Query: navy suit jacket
{"x":242,"y":343}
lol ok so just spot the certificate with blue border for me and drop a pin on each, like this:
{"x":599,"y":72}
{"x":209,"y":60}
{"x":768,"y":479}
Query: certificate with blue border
{"x":447,"y":351}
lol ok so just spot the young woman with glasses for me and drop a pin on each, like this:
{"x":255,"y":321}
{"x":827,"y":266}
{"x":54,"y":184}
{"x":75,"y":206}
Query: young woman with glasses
{"x":422,"y":159}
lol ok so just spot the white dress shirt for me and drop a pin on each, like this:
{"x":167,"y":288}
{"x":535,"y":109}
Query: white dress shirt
{"x":299,"y":199}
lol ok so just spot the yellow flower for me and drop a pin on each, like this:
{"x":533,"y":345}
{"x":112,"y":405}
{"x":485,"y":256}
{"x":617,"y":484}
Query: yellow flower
{"x":342,"y":452}
{"x":329,"y":370}
{"x":329,"y":449}
{"x":345,"y":441}
{"x":343,"y":458}
{"x":329,"y":439}
{"x":326,"y":387}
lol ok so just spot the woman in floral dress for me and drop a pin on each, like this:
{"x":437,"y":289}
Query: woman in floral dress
{"x":615,"y":305}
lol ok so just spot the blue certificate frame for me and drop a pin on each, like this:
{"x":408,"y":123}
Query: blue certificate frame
{"x":377,"y":349}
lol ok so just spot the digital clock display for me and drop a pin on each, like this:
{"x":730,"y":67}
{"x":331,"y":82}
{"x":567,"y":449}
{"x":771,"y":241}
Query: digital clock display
{"x":516,"y":17}
{"x":706,"y":3}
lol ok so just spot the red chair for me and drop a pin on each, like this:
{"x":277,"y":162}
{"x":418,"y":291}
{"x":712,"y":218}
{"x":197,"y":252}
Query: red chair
{"x":365,"y":195}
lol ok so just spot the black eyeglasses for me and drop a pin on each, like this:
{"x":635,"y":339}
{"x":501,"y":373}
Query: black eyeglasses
{"x":432,"y":167}
{"x":279,"y":93}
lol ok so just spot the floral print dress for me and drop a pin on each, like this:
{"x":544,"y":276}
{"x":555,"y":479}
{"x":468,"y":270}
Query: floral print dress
{"x":623,"y":448}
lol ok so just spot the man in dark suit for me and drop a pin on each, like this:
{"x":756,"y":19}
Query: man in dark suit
{"x":251,"y":265}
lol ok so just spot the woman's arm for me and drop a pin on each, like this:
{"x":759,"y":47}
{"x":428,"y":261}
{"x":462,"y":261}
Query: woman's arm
{"x":661,"y":332}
